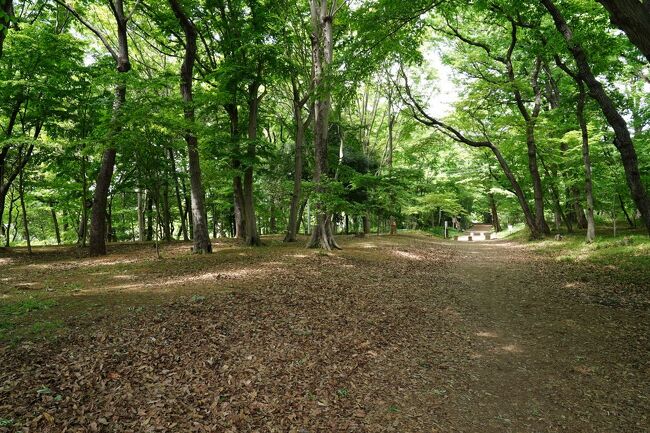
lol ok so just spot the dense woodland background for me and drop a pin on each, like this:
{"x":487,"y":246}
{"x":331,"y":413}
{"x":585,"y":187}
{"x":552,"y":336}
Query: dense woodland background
{"x":196,"y":119}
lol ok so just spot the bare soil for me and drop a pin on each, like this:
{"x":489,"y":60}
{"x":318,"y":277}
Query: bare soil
{"x":392,"y":334}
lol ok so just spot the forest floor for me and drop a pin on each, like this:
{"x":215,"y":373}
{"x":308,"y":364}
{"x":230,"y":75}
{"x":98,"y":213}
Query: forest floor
{"x":392,"y":334}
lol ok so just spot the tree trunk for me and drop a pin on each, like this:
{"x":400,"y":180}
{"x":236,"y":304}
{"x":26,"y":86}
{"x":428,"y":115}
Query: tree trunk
{"x":141,"y":212}
{"x":100,"y":200}
{"x":586,"y":160}
{"x":6,"y":7}
{"x":627,"y":215}
{"x":21,"y":192}
{"x":149,"y":212}
{"x":166,"y":213}
{"x":55,"y":223}
{"x":623,"y":140}
{"x":252,"y":236}
{"x":11,"y":209}
{"x":294,"y":221}
{"x":201,"y":237}
{"x":179,"y":202}
{"x":633,"y":17}
{"x":579,"y":212}
{"x":495,"y":215}
{"x":523,"y":203}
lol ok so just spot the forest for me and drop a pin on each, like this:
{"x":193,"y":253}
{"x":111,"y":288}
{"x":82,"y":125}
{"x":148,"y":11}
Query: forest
{"x":324,"y":215}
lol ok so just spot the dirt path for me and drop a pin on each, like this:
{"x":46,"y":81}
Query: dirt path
{"x":544,"y":359}
{"x":392,"y":334}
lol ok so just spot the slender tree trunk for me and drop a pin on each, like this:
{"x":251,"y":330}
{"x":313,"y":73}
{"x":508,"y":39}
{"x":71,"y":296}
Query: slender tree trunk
{"x":538,"y":189}
{"x":294,"y":221}
{"x":586,"y":161}
{"x":627,"y":215}
{"x":623,"y":140}
{"x":201,"y":237}
{"x":495,"y":214}
{"x":149,"y":211}
{"x":55,"y":223}
{"x":11,"y":209}
{"x":523,"y":203}
{"x":252,"y":236}
{"x":21,"y":192}
{"x":141,"y":212}
{"x":179,"y":202}
{"x":166,"y":214}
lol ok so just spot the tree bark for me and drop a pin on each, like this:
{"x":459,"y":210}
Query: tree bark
{"x":623,"y":140}
{"x":633,"y":17}
{"x":252,"y":236}
{"x":100,"y":200}
{"x":201,"y":236}
{"x":322,"y":51}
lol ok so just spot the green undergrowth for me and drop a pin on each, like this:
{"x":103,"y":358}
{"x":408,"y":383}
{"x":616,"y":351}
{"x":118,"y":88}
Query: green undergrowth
{"x":24,"y":319}
{"x":628,"y":251}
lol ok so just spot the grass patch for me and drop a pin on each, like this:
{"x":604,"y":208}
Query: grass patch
{"x":628,"y":252}
{"x":20,"y":308}
{"x":17,"y":320}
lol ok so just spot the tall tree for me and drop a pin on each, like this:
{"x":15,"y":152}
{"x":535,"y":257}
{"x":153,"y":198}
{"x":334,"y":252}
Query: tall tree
{"x":201,"y":237}
{"x":120,"y":55}
{"x":322,"y":17}
{"x":623,"y":140}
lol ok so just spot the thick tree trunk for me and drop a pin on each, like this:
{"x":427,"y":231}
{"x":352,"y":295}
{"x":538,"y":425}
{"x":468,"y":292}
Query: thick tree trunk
{"x":578,"y":211}
{"x":623,"y":140}
{"x":322,"y":49}
{"x":100,"y":202}
{"x":6,"y":7}
{"x":201,"y":237}
{"x":633,"y":17}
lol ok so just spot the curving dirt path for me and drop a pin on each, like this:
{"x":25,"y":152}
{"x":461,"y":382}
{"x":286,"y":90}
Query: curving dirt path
{"x":392,"y":334}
